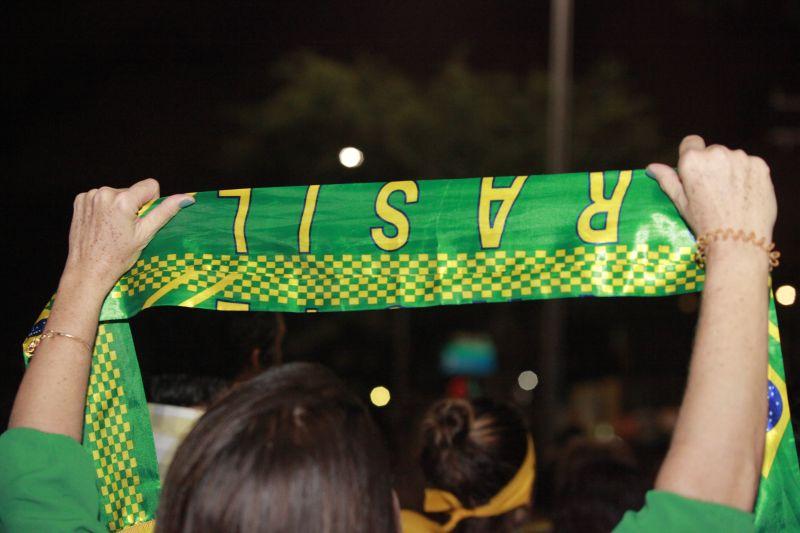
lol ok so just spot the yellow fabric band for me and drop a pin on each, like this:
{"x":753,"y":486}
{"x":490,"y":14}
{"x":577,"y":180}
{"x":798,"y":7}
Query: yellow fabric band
{"x":516,"y":493}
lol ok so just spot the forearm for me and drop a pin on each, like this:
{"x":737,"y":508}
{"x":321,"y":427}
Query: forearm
{"x":717,"y":448}
{"x":105,"y":239}
{"x":52,"y":394}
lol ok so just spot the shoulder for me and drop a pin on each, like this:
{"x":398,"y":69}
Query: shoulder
{"x":47,"y":483}
{"x":667,"y":511}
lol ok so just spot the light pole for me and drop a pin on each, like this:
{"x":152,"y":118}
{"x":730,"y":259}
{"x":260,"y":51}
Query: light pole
{"x":560,"y":86}
{"x":559,"y":118}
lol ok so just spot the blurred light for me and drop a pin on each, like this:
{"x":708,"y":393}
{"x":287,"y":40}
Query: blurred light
{"x":528,"y":380}
{"x":458,"y":387}
{"x":380,"y":396}
{"x":785,"y":295}
{"x":351,"y":157}
{"x":468,"y":355}
{"x":604,"y":432}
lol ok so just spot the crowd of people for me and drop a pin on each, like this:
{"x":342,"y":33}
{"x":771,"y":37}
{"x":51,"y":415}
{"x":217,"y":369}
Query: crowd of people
{"x":292,"y":449}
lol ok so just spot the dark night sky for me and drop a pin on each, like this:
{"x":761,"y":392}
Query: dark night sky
{"x":105,"y":92}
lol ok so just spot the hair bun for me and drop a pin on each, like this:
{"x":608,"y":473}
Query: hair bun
{"x":449,"y":422}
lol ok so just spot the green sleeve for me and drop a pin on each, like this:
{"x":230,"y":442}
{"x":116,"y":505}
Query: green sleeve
{"x":669,"y":512}
{"x":47,"y":483}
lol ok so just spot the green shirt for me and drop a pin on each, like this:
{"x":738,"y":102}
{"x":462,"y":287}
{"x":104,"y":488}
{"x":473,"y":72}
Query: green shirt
{"x":669,"y":512}
{"x":47,"y":483}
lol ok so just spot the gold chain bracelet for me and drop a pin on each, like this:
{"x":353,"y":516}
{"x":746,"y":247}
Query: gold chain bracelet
{"x":723,"y":234}
{"x":52,"y":333}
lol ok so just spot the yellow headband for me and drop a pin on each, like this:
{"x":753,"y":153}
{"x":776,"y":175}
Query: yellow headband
{"x":515,"y":494}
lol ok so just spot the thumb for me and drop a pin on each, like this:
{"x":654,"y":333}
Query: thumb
{"x":670,"y":183}
{"x":161,"y":214}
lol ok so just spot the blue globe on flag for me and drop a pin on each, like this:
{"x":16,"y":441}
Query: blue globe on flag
{"x":775,"y":405}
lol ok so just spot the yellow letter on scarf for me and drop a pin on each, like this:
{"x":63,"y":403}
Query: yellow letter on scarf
{"x":393,"y":216}
{"x":239,"y":221}
{"x":492,"y":232}
{"x":600,"y":204}
{"x":310,"y":205}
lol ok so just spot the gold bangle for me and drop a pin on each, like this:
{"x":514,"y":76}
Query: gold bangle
{"x":723,"y":234}
{"x":52,"y":333}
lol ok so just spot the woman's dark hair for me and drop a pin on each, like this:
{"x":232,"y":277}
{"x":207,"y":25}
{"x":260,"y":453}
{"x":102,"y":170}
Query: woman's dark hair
{"x":290,"y":450}
{"x":472,"y":449}
{"x":595,"y":484}
{"x":184,"y":389}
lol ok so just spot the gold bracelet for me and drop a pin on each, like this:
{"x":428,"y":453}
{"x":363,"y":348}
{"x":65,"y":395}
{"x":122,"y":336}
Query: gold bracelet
{"x":723,"y":234}
{"x":52,"y":333}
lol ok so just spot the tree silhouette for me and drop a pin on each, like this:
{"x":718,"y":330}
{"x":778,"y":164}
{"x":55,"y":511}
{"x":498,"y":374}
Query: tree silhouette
{"x":459,"y":123}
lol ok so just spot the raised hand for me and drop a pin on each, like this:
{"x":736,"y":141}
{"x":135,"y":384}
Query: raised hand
{"x":107,"y":235}
{"x":718,"y":188}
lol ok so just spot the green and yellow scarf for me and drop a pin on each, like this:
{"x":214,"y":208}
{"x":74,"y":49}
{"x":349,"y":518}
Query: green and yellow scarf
{"x":412,"y":243}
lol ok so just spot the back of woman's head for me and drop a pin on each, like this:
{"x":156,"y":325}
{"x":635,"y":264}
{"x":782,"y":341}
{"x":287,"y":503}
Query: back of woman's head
{"x":291,"y":450}
{"x":596,"y":483}
{"x":472,"y":449}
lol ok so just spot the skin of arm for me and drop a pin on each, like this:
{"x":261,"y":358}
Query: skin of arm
{"x":106,"y":237}
{"x":718,"y":444}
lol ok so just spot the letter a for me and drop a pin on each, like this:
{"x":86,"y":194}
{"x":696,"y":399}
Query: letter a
{"x":600,"y":204}
{"x":491,"y":232}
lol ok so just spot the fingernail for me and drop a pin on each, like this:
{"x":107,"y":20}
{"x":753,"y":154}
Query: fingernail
{"x":186,"y":202}
{"x":649,"y":173}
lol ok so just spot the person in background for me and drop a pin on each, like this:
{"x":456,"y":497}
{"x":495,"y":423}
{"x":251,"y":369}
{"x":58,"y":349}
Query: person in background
{"x":257,"y":339}
{"x":596,"y":482}
{"x":176,"y":402}
{"x":185,"y":390}
{"x":478,"y":461}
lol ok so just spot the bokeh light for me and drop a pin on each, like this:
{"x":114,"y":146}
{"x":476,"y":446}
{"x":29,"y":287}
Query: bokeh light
{"x":603,"y":432}
{"x":528,"y":380}
{"x":380,"y":396}
{"x":786,"y":295}
{"x":351,"y":157}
